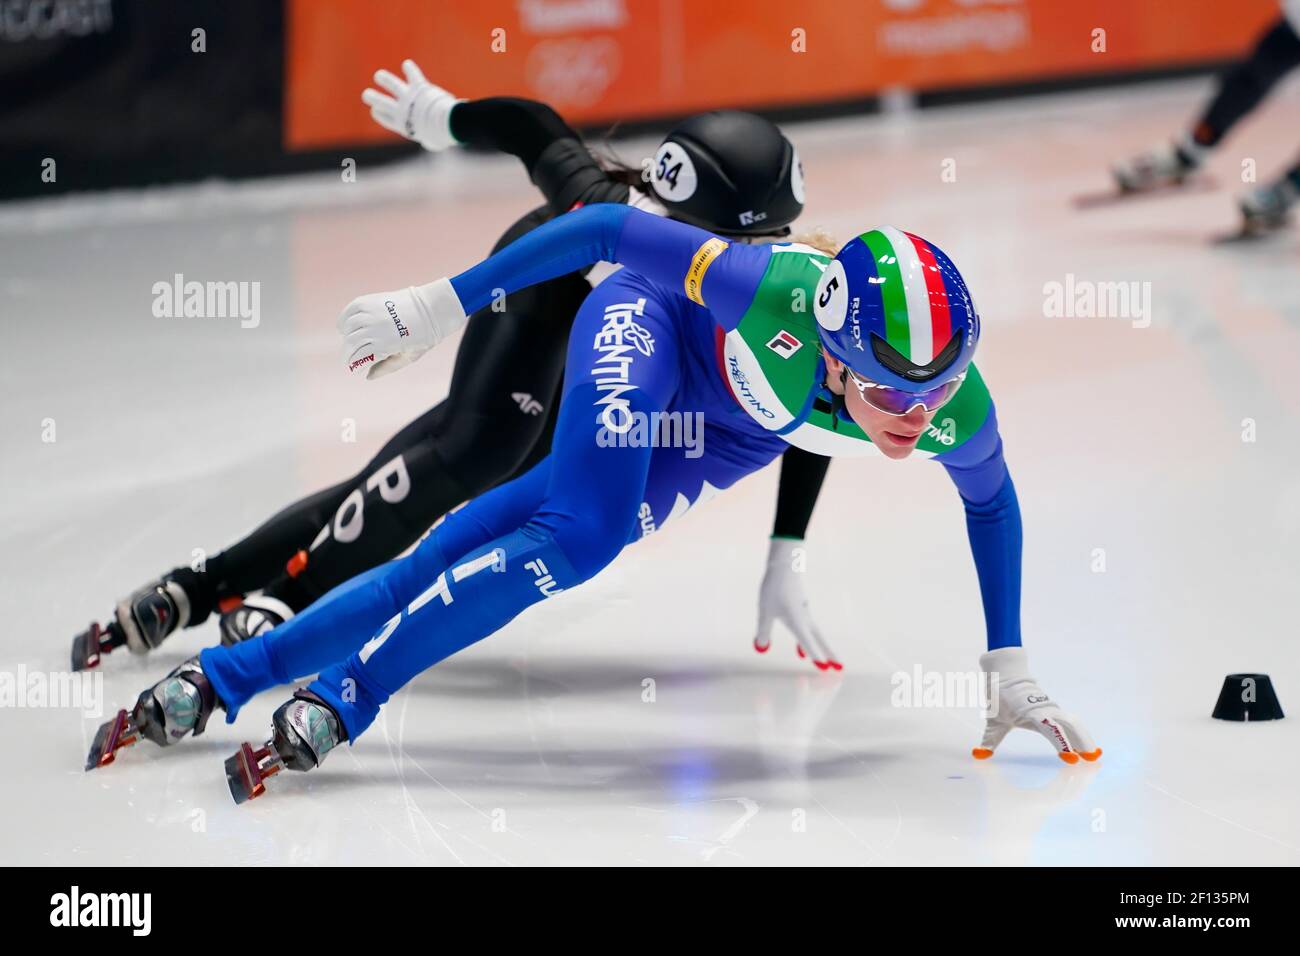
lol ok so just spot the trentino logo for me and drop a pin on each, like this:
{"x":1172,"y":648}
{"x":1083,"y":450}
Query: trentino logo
{"x":617,"y":343}
{"x":743,"y":389}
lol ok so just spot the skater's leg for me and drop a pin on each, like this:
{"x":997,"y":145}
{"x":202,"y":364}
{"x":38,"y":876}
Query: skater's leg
{"x":542,"y":446}
{"x":594,"y":490}
{"x":347,"y":616}
{"x":586,"y":518}
{"x":508,"y":366}
{"x":596,"y":502}
{"x":1248,"y":82}
{"x":379,"y":514}
{"x":257,"y":558}
{"x":185,"y":596}
{"x":1241,"y":89}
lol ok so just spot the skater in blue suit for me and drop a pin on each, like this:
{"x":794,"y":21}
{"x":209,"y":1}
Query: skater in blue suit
{"x":851,"y":354}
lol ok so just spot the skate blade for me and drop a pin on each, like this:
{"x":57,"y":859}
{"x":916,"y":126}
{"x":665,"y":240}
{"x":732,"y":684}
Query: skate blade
{"x":93,"y":643}
{"x":1115,"y":195}
{"x":1248,"y":234}
{"x":248,"y":769}
{"x":111,"y":737}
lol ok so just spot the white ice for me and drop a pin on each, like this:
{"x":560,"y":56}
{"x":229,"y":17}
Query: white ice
{"x":1128,"y":444}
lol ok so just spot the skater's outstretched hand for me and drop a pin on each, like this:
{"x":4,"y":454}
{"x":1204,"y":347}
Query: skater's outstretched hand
{"x":385,"y":331}
{"x":413,"y":107}
{"x":781,"y":598}
{"x":1016,"y":700}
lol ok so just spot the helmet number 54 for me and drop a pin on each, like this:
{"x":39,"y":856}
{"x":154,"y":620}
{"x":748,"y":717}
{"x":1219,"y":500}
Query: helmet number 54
{"x":668,"y":172}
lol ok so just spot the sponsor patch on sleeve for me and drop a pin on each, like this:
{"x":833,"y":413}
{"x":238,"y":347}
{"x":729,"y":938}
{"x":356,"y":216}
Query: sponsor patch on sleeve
{"x":700,"y":263}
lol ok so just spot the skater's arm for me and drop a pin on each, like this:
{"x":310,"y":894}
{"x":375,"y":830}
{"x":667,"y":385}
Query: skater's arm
{"x":553,"y":154}
{"x":781,"y":596}
{"x":802,"y":474}
{"x":385,"y":331}
{"x":993,"y":528}
{"x":683,"y":259}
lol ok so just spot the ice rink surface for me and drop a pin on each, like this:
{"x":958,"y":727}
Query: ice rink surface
{"x":1157,"y":468}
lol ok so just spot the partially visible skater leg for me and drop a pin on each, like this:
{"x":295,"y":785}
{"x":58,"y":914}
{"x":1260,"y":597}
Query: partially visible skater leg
{"x":587,"y":517}
{"x":349,"y":615}
{"x":1242,"y":89}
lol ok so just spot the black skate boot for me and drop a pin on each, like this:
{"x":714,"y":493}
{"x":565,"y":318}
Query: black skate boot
{"x":257,"y":615}
{"x":141,"y":621}
{"x":306,"y":729}
{"x":179,"y":704}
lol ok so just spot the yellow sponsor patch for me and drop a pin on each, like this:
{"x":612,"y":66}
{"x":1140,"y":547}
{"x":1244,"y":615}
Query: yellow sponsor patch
{"x":704,"y":257}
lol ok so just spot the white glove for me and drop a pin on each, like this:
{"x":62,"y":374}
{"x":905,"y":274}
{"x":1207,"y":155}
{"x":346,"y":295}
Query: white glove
{"x":385,"y":331}
{"x":1016,"y":700}
{"x":416,"y":109}
{"x":781,"y":598}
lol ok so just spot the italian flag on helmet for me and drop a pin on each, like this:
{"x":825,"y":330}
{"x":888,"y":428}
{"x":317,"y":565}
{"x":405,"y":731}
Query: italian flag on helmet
{"x":895,"y":309}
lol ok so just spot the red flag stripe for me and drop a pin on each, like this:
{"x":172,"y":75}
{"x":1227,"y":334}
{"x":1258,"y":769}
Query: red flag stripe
{"x":940,"y":317}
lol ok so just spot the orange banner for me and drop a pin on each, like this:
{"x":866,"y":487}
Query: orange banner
{"x":605,"y":60}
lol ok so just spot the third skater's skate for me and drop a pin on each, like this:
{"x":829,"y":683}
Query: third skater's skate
{"x":1165,"y":166}
{"x":1267,"y":209}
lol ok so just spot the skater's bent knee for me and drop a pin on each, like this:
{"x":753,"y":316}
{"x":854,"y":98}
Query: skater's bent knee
{"x":587,"y":543}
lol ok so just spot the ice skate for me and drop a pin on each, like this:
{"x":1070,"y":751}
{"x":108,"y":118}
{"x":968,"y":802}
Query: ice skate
{"x":141,"y":621}
{"x":1165,"y":166}
{"x":177,"y":705}
{"x":257,"y":615}
{"x":1266,"y":210}
{"x":306,"y":729}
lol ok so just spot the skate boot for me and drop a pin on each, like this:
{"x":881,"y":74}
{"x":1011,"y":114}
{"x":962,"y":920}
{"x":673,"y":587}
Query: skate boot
{"x":306,"y":729}
{"x":1267,"y":209}
{"x":257,"y":615}
{"x":141,"y":622}
{"x":1159,"y":168}
{"x":179,"y":704}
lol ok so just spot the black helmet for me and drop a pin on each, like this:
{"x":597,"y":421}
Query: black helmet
{"x":730,"y":172}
